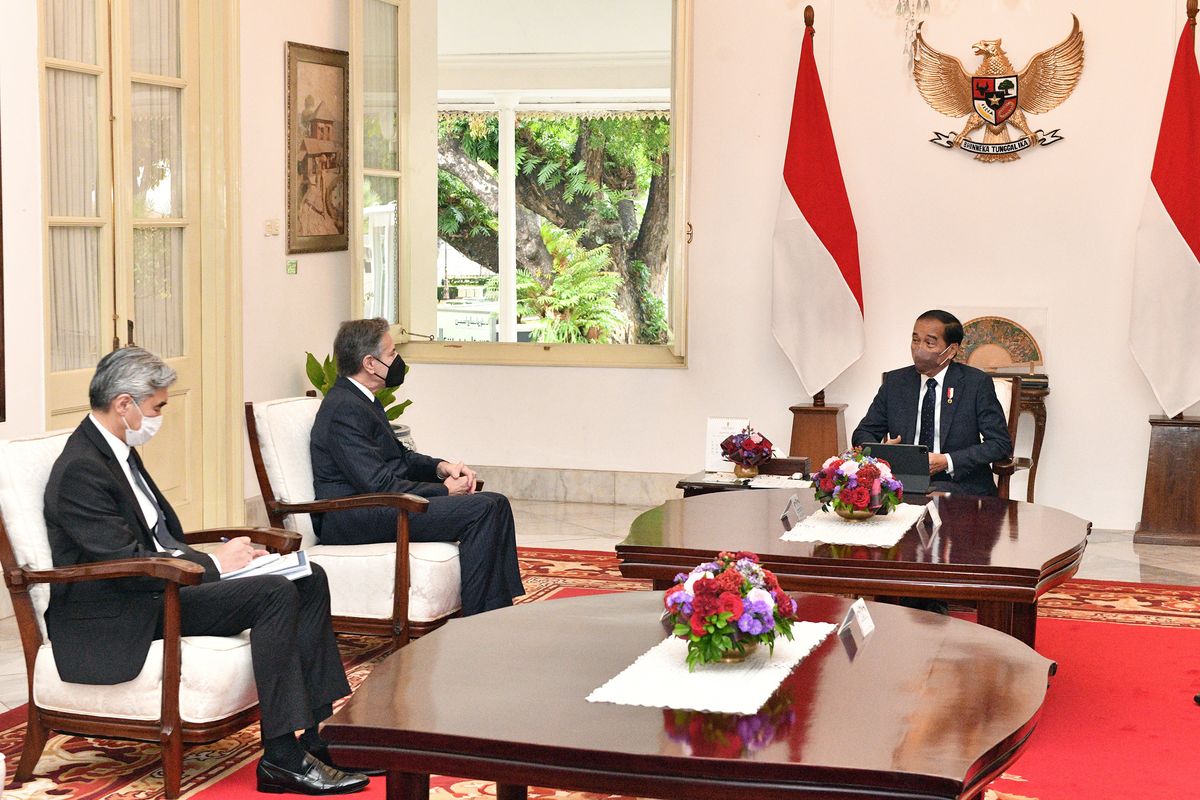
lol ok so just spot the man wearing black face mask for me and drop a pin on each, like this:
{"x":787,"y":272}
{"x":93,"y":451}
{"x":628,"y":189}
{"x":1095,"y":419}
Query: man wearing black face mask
{"x":948,"y":407}
{"x":355,"y":452}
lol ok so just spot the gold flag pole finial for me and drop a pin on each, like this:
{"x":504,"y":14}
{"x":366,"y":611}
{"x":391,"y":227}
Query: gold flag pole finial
{"x":808,"y":18}
{"x":1191,"y":9}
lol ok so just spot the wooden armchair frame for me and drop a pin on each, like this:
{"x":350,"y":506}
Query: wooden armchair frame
{"x":169,"y":730}
{"x":398,"y":627}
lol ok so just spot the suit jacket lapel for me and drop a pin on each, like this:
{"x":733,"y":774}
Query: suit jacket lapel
{"x":132,"y":509}
{"x":358,"y":395}
{"x":953,"y":386}
{"x":912,"y":390}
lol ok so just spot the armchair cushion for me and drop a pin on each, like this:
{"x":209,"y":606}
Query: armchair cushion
{"x":361,"y":577}
{"x":283,"y":434}
{"x":217,"y":680}
{"x":25,"y":466}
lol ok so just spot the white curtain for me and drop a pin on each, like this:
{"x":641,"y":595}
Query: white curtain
{"x":154,"y":34}
{"x":73,"y":181}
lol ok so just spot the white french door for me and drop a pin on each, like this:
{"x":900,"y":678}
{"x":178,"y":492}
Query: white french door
{"x":120,"y":124}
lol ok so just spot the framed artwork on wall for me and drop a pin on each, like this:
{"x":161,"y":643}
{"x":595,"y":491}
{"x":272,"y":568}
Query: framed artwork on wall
{"x":318,"y":114}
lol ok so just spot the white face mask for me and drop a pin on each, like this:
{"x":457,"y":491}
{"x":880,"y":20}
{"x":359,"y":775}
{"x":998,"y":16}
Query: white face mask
{"x":150,"y":426}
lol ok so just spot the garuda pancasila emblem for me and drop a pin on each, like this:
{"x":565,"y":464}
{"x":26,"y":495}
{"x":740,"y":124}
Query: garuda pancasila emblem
{"x":997,"y":96}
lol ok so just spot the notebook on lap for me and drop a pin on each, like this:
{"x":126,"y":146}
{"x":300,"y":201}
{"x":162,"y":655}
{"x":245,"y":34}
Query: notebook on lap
{"x":909,"y":463}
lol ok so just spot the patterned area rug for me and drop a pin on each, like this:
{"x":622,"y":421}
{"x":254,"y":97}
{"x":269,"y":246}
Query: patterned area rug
{"x":77,"y":768}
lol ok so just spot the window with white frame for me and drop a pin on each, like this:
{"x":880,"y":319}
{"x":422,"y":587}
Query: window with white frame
{"x":543,"y":207}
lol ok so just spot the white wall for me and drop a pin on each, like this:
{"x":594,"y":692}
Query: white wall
{"x":1070,"y":213}
{"x":575,"y":26}
{"x":20,"y":123}
{"x":1066,"y":219}
{"x":283,"y":315}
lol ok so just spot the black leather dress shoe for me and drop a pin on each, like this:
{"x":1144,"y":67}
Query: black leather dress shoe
{"x":314,"y":777}
{"x":322,"y":753}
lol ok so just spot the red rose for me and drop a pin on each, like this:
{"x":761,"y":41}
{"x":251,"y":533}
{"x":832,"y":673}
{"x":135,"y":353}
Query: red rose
{"x":867,"y":474}
{"x":826,"y":484}
{"x":706,"y":586}
{"x":732,"y":604}
{"x":697,"y":623}
{"x":857,"y":497}
{"x":746,"y":554}
{"x":834,"y":466}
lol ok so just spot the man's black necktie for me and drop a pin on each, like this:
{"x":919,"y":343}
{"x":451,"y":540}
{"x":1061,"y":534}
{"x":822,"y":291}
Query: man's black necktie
{"x":927,"y":408}
{"x":161,"y":533}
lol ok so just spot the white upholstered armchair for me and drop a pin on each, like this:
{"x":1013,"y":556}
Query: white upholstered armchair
{"x":192,"y":689}
{"x":1008,"y":392}
{"x":371,"y":590}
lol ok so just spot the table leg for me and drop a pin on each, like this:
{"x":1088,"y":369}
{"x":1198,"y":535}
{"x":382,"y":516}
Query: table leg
{"x":407,"y":786}
{"x":1018,"y":620}
{"x":509,"y":791}
{"x":1038,"y":409}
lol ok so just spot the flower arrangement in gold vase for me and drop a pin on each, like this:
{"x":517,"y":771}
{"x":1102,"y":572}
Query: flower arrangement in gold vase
{"x":856,"y":485}
{"x":747,"y":450}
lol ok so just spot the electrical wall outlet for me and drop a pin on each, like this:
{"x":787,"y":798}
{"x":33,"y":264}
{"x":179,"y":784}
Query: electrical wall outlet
{"x":271,"y":228}
{"x":293,"y":266}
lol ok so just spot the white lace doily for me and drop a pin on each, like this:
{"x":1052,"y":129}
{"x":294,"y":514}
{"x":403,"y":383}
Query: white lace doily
{"x":828,"y":527}
{"x":660,"y":677}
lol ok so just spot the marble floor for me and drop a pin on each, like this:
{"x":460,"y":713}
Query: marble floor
{"x":1111,"y":555}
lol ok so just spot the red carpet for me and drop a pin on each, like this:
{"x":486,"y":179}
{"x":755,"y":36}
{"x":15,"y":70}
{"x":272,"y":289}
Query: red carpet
{"x":1118,"y":722}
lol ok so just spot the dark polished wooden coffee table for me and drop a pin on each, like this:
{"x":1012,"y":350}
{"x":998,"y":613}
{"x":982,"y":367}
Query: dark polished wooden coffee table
{"x":1001,"y":554}
{"x":927,"y":707}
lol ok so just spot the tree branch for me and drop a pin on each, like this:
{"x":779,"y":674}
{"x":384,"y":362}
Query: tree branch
{"x":532,"y":254}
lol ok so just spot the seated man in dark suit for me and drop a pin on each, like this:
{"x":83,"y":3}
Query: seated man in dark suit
{"x":354,"y":451}
{"x":948,"y":407}
{"x":101,"y":504}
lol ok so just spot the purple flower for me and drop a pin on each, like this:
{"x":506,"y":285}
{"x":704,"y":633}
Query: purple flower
{"x":681,"y":577}
{"x":749,"y":623}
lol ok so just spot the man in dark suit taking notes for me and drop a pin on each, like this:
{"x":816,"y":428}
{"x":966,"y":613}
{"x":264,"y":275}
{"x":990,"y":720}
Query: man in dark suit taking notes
{"x":949,"y":407}
{"x":354,"y":451}
{"x":101,"y":504}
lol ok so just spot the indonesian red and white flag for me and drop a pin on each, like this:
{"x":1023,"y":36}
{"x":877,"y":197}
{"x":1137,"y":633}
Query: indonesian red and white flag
{"x":816,"y":303}
{"x":1164,"y":329}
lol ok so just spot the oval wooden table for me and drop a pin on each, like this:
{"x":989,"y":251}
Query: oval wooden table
{"x":925,"y":707}
{"x":1000,"y":554}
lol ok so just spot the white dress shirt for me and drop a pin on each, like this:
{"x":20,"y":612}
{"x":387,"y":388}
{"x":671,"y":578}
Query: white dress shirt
{"x":370,"y":395}
{"x":937,"y":413}
{"x":149,"y":511}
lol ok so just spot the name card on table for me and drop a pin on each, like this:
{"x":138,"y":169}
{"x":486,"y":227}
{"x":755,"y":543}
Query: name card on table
{"x":858,"y":617}
{"x":792,"y":513}
{"x":720,"y":428}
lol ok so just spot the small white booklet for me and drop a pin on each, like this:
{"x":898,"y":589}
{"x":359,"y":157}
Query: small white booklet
{"x":292,"y":566}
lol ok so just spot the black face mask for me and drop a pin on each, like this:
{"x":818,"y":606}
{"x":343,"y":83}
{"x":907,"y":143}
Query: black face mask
{"x":395,"y":373}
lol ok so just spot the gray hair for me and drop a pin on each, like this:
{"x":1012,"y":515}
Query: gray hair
{"x":356,"y":339}
{"x":129,"y":370}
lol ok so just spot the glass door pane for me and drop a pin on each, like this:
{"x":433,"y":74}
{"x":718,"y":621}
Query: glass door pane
{"x":154,"y":33}
{"x":74,"y":298}
{"x":157,"y":152}
{"x":381,"y":239}
{"x":70,"y":27}
{"x":72,"y":156}
{"x":158,"y":293}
